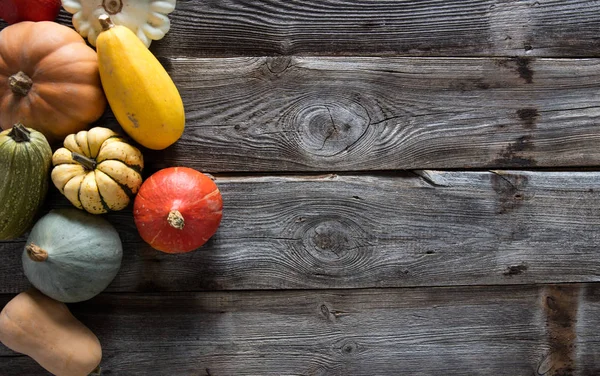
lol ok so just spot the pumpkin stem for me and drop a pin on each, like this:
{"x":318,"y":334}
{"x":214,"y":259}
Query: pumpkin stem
{"x":87,"y":163}
{"x":105,"y":22}
{"x":35,"y":253}
{"x":175,"y":219}
{"x":96,"y":372}
{"x":19,"y":133}
{"x":20,"y":83}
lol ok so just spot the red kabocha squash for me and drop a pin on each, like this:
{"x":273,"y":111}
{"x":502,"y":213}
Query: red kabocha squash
{"x":177,"y":209}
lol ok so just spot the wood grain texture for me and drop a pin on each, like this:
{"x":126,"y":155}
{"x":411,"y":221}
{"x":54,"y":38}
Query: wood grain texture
{"x":357,"y":87}
{"x":424,"y":331}
{"x":555,"y":28}
{"x":356,"y":114}
{"x":294,"y":113}
{"x":359,"y":231}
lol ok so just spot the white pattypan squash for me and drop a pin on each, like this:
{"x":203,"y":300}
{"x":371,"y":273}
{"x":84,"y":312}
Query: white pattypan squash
{"x":146,"y":18}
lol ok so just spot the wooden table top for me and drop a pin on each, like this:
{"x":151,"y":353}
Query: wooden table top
{"x":409,"y":188}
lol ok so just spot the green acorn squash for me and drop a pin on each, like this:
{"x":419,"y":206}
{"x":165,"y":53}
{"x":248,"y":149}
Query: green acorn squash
{"x":25,"y":161}
{"x":71,"y":255}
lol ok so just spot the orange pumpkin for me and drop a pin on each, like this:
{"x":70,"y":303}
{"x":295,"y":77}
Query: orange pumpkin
{"x":49,"y":79}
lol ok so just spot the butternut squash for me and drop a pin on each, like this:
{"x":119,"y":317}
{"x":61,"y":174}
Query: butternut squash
{"x":139,"y":90}
{"x":45,"y":330}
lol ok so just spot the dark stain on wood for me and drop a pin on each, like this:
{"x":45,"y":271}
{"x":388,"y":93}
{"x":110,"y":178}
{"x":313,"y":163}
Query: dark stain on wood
{"x":590,"y":297}
{"x":560,"y":304}
{"x":516,"y":270}
{"x":514,"y":154}
{"x":469,"y":85}
{"x":509,"y":188}
{"x":592,"y":294}
{"x":522,"y":65}
{"x":525,"y":71}
{"x":528,"y":117}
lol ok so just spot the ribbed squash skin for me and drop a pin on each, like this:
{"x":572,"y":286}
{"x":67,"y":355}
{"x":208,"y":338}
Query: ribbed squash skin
{"x":24,"y":175}
{"x":66,"y":93}
{"x":97,"y":170}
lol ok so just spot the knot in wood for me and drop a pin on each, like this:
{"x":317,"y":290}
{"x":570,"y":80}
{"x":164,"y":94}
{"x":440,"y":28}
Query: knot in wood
{"x":330,"y":240}
{"x":331,"y":246}
{"x":349,"y":348}
{"x":329,"y":127}
{"x":278,"y":64}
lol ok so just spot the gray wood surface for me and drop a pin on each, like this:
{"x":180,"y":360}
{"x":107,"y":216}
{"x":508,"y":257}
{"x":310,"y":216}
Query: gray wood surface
{"x":481,"y":260}
{"x":511,"y":331}
{"x":358,"y":231}
{"x":352,"y":113}
{"x":403,"y":27}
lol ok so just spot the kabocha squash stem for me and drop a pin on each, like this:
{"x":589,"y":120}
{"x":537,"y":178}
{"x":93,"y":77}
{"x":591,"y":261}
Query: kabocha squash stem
{"x":19,"y":133}
{"x":20,"y":83}
{"x":87,"y":163}
{"x":176,"y":220}
{"x":175,"y":193}
{"x":35,"y":253}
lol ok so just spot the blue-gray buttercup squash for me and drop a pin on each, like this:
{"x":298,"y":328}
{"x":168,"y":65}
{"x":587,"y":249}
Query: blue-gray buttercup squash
{"x":71,"y":255}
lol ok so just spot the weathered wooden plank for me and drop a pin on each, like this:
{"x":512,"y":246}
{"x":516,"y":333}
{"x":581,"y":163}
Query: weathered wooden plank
{"x":358,"y":231}
{"x":524,"y":330}
{"x":349,"y":114}
{"x":357,"y":27}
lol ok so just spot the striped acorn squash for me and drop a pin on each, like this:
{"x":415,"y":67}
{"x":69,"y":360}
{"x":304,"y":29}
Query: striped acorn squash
{"x":25,"y":161}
